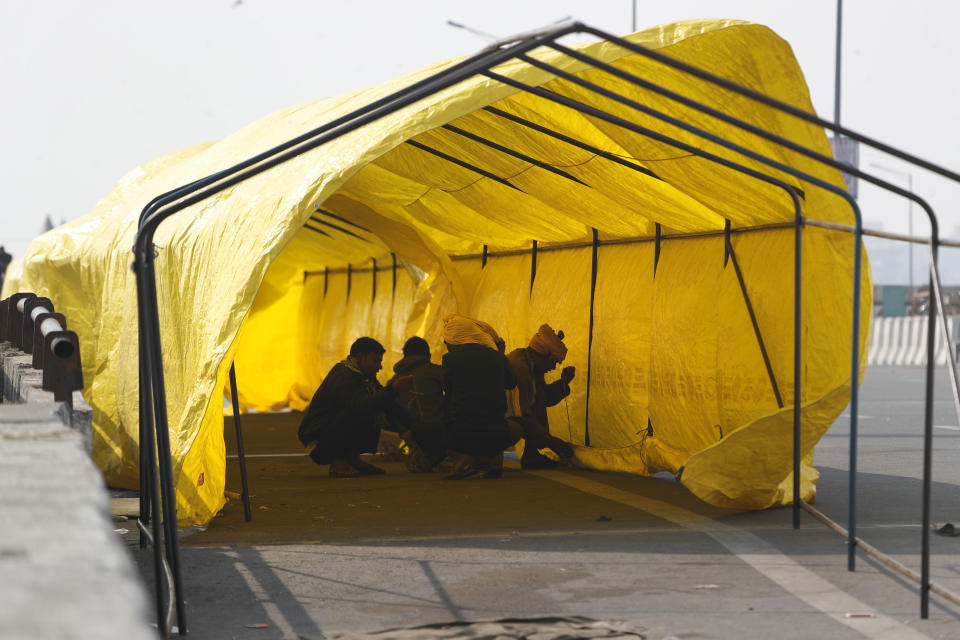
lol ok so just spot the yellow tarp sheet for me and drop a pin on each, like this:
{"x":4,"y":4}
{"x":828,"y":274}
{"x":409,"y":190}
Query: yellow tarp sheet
{"x":257,"y":274}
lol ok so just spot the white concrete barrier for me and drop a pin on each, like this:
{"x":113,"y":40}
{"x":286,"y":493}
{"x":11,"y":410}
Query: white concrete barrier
{"x":65,"y":573}
{"x":903,"y":341}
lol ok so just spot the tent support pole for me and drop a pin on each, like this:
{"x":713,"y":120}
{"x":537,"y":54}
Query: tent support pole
{"x":176,"y":200}
{"x":553,"y":97}
{"x":241,"y":455}
{"x":571,"y":141}
{"x":315,"y":230}
{"x":331,"y":214}
{"x":797,"y":362}
{"x":858,"y":231}
{"x":149,"y":499}
{"x":167,"y":490}
{"x":593,"y":294}
{"x":145,"y":424}
{"x":658,"y":235}
{"x":463,"y":163}
{"x":393,"y":258}
{"x":936,"y":289}
{"x":513,"y":153}
{"x":533,"y":265}
{"x":753,"y":321}
{"x":168,"y":203}
{"x":928,"y":435}
{"x":330,"y":225}
{"x":854,"y":389}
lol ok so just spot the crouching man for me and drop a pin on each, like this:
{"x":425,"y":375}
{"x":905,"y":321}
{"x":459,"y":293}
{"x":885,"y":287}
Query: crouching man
{"x":422,"y":405}
{"x":476,"y":377}
{"x":349,"y":409}
{"x":545,"y":352}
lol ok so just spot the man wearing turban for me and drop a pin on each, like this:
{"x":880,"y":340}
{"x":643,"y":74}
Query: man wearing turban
{"x":476,"y":376}
{"x":545,"y":352}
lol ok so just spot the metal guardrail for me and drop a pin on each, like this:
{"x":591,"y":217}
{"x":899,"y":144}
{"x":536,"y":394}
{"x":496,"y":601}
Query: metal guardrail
{"x":30,"y":323}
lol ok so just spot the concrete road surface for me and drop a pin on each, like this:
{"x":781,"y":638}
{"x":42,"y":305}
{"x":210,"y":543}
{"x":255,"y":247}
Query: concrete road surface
{"x":403,"y":549}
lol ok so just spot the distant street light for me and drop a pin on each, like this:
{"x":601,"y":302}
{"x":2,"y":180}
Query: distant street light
{"x":476,"y":32}
{"x":909,"y":177}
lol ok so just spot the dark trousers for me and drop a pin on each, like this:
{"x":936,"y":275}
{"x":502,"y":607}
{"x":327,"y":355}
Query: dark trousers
{"x":345,"y":438}
{"x":485,"y":438}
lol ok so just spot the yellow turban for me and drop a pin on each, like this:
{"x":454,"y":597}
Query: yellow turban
{"x":547,"y":342}
{"x":458,"y":329}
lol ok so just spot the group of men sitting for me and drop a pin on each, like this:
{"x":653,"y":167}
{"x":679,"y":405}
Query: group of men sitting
{"x":471,"y":408}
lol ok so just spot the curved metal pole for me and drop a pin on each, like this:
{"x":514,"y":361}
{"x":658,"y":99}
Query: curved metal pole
{"x":725,"y":117}
{"x":815,"y":156}
{"x":732,"y":120}
{"x":767,"y":100}
{"x":168,"y":497}
{"x":144,"y":237}
{"x":810,"y":153}
{"x":928,"y":409}
{"x":798,"y":218}
{"x":386,"y":105}
{"x":456,"y":69}
{"x":858,"y":241}
{"x":152,"y":215}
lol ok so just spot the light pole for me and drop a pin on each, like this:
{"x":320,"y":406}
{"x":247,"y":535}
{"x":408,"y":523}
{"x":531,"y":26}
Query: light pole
{"x":909,"y":177}
{"x":836,"y":72}
{"x":476,"y":32}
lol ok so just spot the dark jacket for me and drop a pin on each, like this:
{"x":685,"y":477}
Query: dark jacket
{"x":346,"y":414}
{"x":535,"y":396}
{"x":424,"y":402}
{"x":475,"y":379}
{"x":5,"y":259}
{"x":423,"y":405}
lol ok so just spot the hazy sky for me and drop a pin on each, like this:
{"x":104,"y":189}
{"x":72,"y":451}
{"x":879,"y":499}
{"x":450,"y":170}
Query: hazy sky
{"x":93,"y":89}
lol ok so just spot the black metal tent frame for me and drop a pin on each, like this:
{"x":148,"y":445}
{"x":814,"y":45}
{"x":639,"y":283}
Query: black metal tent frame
{"x":157,"y":487}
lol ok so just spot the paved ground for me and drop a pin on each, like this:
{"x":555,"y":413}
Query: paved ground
{"x":404,"y":549}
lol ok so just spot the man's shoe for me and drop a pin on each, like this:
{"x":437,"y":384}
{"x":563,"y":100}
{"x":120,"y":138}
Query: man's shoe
{"x":534,"y":460}
{"x":464,"y":466}
{"x":343,"y":471}
{"x":367,"y":469}
{"x":494,"y":468}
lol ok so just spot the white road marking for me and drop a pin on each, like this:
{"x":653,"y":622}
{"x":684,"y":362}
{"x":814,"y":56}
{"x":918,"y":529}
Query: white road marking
{"x":269,"y":455}
{"x":765,"y":558}
{"x":947,"y":427}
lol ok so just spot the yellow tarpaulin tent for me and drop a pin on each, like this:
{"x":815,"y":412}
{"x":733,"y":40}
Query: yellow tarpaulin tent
{"x":281,"y":272}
